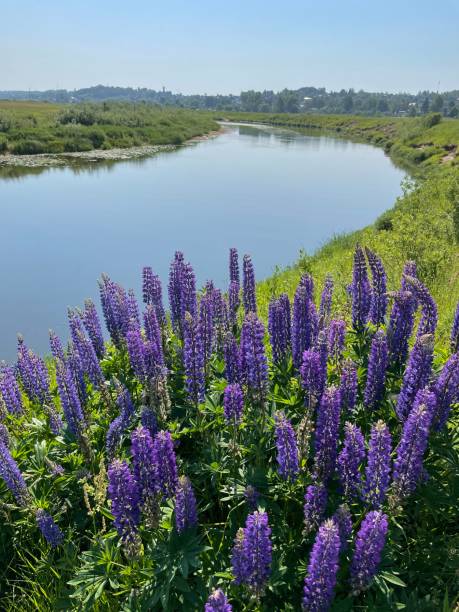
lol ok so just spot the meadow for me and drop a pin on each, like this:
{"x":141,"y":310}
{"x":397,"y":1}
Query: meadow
{"x":207,"y":456}
{"x":38,"y":127}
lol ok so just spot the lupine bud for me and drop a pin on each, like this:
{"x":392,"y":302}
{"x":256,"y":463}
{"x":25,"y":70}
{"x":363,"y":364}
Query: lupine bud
{"x":429,"y":318}
{"x":326,"y":435}
{"x":153,"y":294}
{"x":304,"y":325}
{"x":378,"y":301}
{"x":408,"y":469}
{"x":320,"y":581}
{"x":9,"y":390}
{"x":70,"y":400}
{"x":48,"y":528}
{"x":249,"y":292}
{"x":234,"y":266}
{"x":232,"y":359}
{"x":92,"y":324}
{"x":287,"y":450}
{"x":312,"y":377}
{"x":186,"y":515}
{"x":446,"y":390}
{"x":360,"y":291}
{"x":279,"y":327}
{"x":343,"y":520}
{"x":401,"y":325}
{"x":234,"y":301}
{"x":326,"y":302}
{"x":254,"y":363}
{"x":377,"y":473}
{"x":4,"y":436}
{"x":307,"y":282}
{"x":336,"y":338}
{"x":193,"y":357}
{"x":251,"y":496}
{"x":252,"y":553}
{"x":124,"y":494}
{"x":417,"y":374}
{"x":303,"y":436}
{"x":57,"y":350}
{"x":12,"y":477}
{"x":455,"y":332}
{"x":369,"y":544}
{"x":377,"y":366}
{"x":315,"y":503}
{"x":165,"y":463}
{"x":218,"y":602}
{"x":233,"y":403}
{"x":348,"y":385}
{"x":206,"y":325}
{"x":349,"y":461}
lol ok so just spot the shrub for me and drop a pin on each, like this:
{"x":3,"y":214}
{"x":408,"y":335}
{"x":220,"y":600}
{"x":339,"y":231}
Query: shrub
{"x":431,"y":119}
{"x":28,"y":147}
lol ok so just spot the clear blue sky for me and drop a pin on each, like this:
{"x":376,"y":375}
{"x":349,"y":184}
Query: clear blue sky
{"x":209,"y":46}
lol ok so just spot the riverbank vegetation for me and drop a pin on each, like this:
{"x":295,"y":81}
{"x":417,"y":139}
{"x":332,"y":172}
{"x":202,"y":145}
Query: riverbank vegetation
{"x":203,"y":455}
{"x":32,"y":127}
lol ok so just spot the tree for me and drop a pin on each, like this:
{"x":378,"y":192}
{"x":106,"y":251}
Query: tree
{"x":437,"y":104}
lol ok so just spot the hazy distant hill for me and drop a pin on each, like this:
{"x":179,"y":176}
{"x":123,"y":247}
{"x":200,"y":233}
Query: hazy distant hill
{"x":305,"y":99}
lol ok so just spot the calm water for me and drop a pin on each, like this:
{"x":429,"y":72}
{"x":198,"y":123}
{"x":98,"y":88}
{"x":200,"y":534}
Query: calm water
{"x":268,"y":192}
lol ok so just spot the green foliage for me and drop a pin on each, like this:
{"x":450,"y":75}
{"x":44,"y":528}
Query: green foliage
{"x":431,"y":119}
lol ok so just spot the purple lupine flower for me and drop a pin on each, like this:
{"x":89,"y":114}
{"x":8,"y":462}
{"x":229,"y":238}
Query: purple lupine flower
{"x":165,"y":463}
{"x":50,"y":531}
{"x":189,"y":302}
{"x":124,"y":494}
{"x":376,"y":375}
{"x":360,"y":290}
{"x":279,"y":327}
{"x":75,"y":367}
{"x":12,"y":477}
{"x":417,"y":374}
{"x":287,"y":449}
{"x":304,"y":325}
{"x":286,"y":308}
{"x":455,"y":332}
{"x":153,"y":335}
{"x":251,"y":496}
{"x":312,"y":377}
{"x":349,"y":460}
{"x":446,"y":390}
{"x":408,"y":468}
{"x":57,"y":350}
{"x":206,"y":324}
{"x":234,"y":266}
{"x":343,"y":521}
{"x":114,"y":302}
{"x":378,"y":301}
{"x":233,"y":403}
{"x":315,"y":503}
{"x":232,"y":359}
{"x":149,"y":421}
{"x":193,"y":357}
{"x":85,"y":350}
{"x":218,"y":602}
{"x":233,"y":301}
{"x":401,"y":325}
{"x":369,"y":545}
{"x":326,"y":302}
{"x":320,"y":581}
{"x":429,"y":318}
{"x":70,"y":400}
{"x":4,"y":436}
{"x":186,"y":514}
{"x":176,"y":280}
{"x":322,"y":349}
{"x":348,"y":385}
{"x":33,"y":374}
{"x":112,"y":439}
{"x":377,"y":473}
{"x":9,"y":390}
{"x":92,"y":325}
{"x":254,"y":363}
{"x":153,"y":294}
{"x":143,"y":465}
{"x":326,"y":434}
{"x":307,"y":282}
{"x":133,"y":309}
{"x":336,"y":338}
{"x":252,"y":554}
{"x":248,"y":286}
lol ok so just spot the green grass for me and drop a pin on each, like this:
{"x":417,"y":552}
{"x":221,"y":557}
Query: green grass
{"x":35,"y":127}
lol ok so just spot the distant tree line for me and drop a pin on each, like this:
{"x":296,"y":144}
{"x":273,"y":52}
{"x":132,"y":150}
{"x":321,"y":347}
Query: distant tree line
{"x":305,"y":99}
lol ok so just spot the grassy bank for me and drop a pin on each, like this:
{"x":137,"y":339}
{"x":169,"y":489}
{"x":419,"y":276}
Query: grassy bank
{"x":423,"y":225}
{"x":418,"y":144}
{"x":34,"y":127}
